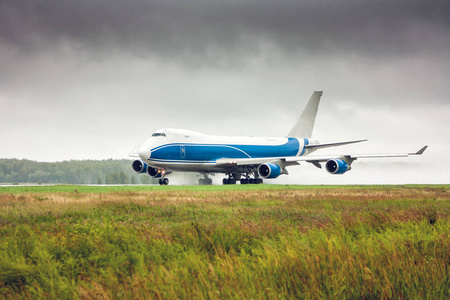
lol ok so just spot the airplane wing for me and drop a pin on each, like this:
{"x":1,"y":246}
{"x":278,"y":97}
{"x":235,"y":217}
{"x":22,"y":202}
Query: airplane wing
{"x":315,"y":160}
{"x":353,"y":157}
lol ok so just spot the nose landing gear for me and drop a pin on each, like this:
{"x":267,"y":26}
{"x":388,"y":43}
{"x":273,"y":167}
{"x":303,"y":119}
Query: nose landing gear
{"x":163,"y":181}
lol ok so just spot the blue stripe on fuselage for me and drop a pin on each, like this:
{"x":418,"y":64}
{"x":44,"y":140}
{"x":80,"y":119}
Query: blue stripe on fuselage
{"x":212,"y":152}
{"x":305,"y":143}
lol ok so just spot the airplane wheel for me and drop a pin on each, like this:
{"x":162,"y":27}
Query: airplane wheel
{"x":166,"y":181}
{"x":201,"y":181}
{"x":260,"y":181}
{"x":209,"y":181}
{"x":251,"y":181}
{"x":225,"y":181}
{"x":161,"y":182}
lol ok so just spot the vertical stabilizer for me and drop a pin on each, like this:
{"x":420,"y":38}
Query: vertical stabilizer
{"x":305,"y":124}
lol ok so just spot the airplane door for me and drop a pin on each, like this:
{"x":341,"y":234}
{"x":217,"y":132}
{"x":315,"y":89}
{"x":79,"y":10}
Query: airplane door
{"x":182,"y":151}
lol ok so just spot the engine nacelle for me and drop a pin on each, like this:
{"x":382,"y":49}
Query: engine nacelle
{"x":153,"y":172}
{"x":139,"y":166}
{"x":269,"y":170}
{"x":337,"y":166}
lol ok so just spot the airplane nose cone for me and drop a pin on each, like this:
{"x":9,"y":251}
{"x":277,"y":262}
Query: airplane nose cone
{"x":144,"y":152}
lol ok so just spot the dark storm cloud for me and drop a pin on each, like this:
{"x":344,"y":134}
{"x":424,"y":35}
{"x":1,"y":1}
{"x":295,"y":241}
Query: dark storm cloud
{"x":207,"y":31}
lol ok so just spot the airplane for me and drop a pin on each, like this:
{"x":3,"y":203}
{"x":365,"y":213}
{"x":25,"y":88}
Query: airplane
{"x":244,"y":159}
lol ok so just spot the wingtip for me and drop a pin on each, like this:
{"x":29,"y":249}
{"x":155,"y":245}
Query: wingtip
{"x":422,"y":150}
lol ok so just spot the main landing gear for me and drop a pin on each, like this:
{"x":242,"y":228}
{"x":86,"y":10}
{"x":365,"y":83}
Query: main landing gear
{"x":205,"y":180}
{"x":232,"y":179}
{"x":229,"y":180}
{"x":251,"y":180}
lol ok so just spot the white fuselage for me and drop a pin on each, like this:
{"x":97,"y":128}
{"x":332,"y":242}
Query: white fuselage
{"x":183,"y":150}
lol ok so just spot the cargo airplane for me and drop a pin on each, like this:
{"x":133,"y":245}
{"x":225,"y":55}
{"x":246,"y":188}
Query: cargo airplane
{"x":244,"y":159}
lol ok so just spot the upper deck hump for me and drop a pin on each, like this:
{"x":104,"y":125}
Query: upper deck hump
{"x":189,"y":136}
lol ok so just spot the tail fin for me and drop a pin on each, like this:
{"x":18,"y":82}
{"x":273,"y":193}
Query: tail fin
{"x":305,"y":124}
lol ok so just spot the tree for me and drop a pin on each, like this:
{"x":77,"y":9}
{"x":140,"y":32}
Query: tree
{"x":70,"y":172}
{"x":39,"y":176}
{"x":123,"y":178}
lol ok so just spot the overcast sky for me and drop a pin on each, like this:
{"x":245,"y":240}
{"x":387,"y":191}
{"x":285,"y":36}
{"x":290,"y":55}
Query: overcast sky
{"x":91,"y":79}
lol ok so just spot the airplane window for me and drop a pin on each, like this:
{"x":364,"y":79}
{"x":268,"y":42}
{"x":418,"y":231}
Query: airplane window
{"x":159,"y":134}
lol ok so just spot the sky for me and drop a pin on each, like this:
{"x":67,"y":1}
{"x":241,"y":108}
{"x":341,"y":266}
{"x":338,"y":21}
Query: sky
{"x":92,"y":79}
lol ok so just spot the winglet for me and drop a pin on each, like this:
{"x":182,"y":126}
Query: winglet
{"x":305,"y":124}
{"x":420,"y":151}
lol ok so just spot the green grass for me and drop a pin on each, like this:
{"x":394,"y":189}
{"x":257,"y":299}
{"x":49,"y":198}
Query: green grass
{"x":216,"y":242}
{"x":138,"y":188}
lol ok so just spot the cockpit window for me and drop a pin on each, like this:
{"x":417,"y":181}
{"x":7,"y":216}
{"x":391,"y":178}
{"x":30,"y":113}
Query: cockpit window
{"x":159,"y":134}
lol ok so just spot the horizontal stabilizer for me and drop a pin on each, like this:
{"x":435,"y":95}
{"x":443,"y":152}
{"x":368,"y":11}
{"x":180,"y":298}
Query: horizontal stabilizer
{"x":319,"y":146}
{"x":134,"y":153}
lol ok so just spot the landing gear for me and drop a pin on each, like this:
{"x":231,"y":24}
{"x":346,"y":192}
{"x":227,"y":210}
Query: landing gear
{"x":252,"y":181}
{"x":163,"y":181}
{"x":232,"y":179}
{"x":229,"y":180}
{"x":257,"y":179}
{"x":205,"y":181}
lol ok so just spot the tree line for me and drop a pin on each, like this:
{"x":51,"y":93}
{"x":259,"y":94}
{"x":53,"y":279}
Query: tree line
{"x":109,"y":171}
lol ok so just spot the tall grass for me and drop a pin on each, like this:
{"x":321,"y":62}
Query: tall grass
{"x":19,"y":189}
{"x":271,"y":243}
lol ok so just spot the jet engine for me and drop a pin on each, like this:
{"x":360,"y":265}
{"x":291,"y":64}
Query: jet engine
{"x":153,"y":172}
{"x":337,"y":166}
{"x":269,"y":170}
{"x":139,"y":166}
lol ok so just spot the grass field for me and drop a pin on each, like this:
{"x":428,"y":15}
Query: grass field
{"x":259,"y":241}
